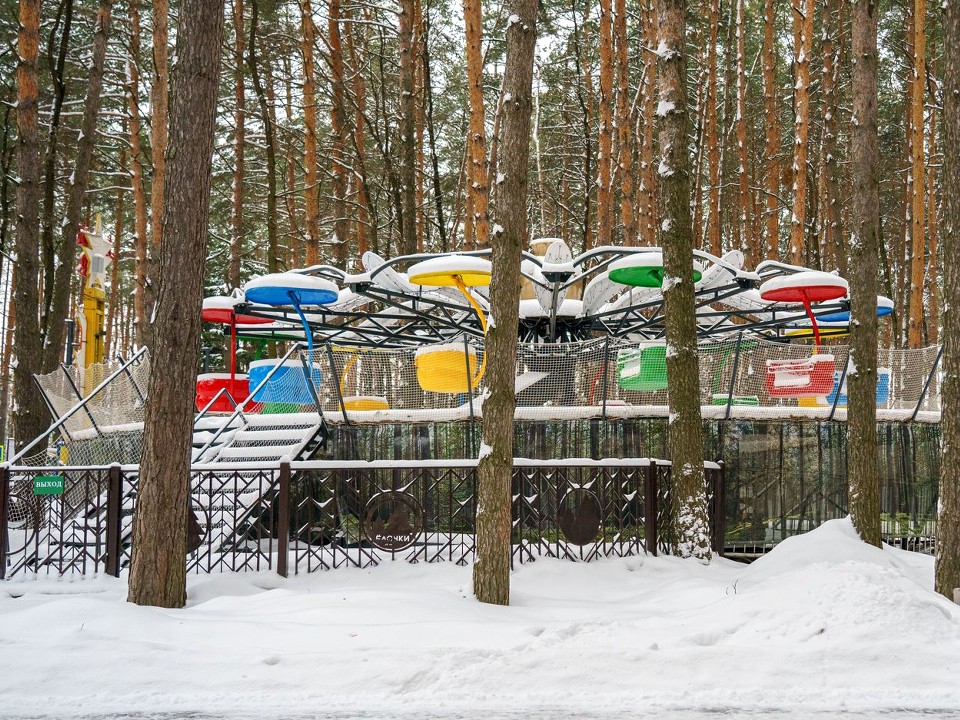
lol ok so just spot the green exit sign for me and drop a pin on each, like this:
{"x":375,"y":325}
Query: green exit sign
{"x":48,"y":485}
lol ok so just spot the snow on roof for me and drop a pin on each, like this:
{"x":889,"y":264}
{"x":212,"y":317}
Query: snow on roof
{"x":651,"y":258}
{"x":220,"y":302}
{"x":318,"y":288}
{"x":443,"y":347}
{"x":454,"y":264}
{"x":565,"y":267}
{"x":805,"y":279}
{"x":269,"y":362}
{"x":531,"y":308}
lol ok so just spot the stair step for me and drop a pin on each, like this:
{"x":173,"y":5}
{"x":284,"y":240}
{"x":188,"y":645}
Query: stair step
{"x":266,"y":453}
{"x":264,"y":438}
{"x":286,"y":420}
{"x":274,"y":437}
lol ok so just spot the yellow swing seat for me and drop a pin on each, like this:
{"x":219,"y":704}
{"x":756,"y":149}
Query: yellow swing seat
{"x":447,"y":368}
{"x":359,"y":403}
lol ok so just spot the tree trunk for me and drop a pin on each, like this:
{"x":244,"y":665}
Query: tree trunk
{"x":158,"y":570}
{"x":159,"y":113}
{"x":339,"y":134}
{"x":745,"y":200}
{"x":239,"y":142}
{"x":862,"y":467}
{"x":586,"y":106}
{"x":712,"y":139}
{"x":408,"y":150}
{"x":267,"y":112}
{"x":365,"y":226}
{"x":902,"y":245}
{"x":7,"y":357}
{"x":688,"y":491}
{"x":478,"y":187}
{"x":698,"y":134}
{"x":541,"y":191}
{"x":50,"y":154}
{"x":274,"y":171}
{"x":803,"y":49}
{"x":141,"y":319}
{"x":932,"y":273}
{"x":605,"y":143}
{"x":29,"y":416}
{"x":431,"y":133}
{"x":159,"y":120}
{"x":917,"y":259}
{"x":832,"y":251}
{"x":293,"y":252}
{"x":75,"y":192}
{"x":494,"y":145}
{"x":648,"y":93}
{"x":419,"y":45}
{"x":772,"y":123}
{"x":948,"y":516}
{"x":624,"y":126}
{"x":6,"y":172}
{"x":311,"y":168}
{"x":116,"y":297}
{"x":491,"y":571}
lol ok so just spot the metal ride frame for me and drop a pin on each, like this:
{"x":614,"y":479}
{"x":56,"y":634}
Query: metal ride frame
{"x":383,"y":310}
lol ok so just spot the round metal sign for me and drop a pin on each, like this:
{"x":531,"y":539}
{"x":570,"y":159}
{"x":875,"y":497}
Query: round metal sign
{"x":392,"y":521}
{"x":579,"y":517}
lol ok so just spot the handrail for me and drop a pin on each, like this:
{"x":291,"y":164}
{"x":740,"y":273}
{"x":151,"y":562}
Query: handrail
{"x":76,"y":391}
{"x":79,"y":406}
{"x":926,"y":385}
{"x":239,"y":409}
{"x":216,"y":397}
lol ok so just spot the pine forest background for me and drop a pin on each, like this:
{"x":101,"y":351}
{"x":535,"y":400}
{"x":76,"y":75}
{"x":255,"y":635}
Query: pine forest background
{"x":343,"y":127}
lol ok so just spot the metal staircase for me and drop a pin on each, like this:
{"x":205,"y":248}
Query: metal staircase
{"x":266,"y":439}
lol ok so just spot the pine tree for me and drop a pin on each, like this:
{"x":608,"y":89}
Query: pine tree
{"x":491,"y":571}
{"x":478,"y":188}
{"x":29,"y":420}
{"x":865,"y":221}
{"x":688,"y":490}
{"x":948,"y":517}
{"x":158,"y":570}
{"x":771,"y":117}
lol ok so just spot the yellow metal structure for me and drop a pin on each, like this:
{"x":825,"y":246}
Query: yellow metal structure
{"x":93,"y":270}
{"x":449,"y":368}
{"x":94,"y":302}
{"x":96,"y":257}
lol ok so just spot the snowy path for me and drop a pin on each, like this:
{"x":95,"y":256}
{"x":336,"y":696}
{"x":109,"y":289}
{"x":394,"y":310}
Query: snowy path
{"x":823,"y":627}
{"x":718,"y":713}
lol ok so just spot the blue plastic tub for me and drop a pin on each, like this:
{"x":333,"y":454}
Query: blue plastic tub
{"x":883,"y":388}
{"x":288,"y":384}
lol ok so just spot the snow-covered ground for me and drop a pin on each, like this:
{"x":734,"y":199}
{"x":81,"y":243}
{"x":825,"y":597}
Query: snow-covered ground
{"x":822,"y":627}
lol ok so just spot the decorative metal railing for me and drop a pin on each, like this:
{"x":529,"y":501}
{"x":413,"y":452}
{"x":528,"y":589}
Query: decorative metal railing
{"x":307,"y":516}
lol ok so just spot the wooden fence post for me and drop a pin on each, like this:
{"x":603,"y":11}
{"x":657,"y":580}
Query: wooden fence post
{"x":718,"y":521}
{"x":283,"y":521}
{"x":114,"y":513}
{"x":650,"y":507}
{"x":4,"y":501}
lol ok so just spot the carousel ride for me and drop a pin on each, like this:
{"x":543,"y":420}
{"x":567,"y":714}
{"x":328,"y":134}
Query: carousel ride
{"x":429,"y":314}
{"x":399,"y":348}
